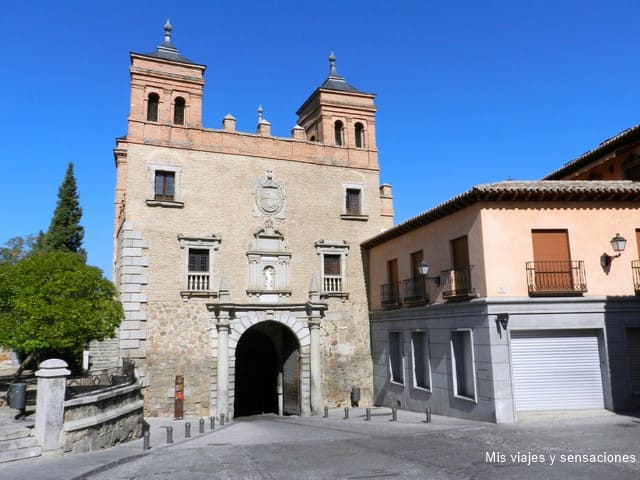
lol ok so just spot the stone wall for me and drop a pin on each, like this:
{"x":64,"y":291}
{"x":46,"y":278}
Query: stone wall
{"x":102,"y":419}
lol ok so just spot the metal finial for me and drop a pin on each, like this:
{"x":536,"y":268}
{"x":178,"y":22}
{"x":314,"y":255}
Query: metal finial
{"x":259,"y":113}
{"x":332,"y":64}
{"x":167,"y":31}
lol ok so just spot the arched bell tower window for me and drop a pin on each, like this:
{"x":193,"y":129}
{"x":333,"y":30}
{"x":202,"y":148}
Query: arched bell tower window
{"x":153,"y":100}
{"x":359,"y":134}
{"x":338,"y":126}
{"x":178,"y":111}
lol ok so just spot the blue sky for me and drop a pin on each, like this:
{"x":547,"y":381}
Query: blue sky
{"x":468,"y":92}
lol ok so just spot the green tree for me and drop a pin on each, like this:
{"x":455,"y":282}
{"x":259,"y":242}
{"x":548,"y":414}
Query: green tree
{"x":16,"y":248}
{"x":65,"y":232}
{"x":54,"y":302}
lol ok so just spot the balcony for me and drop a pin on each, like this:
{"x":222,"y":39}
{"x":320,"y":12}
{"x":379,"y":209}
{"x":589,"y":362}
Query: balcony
{"x":635,"y":268}
{"x":389,"y":295}
{"x":413,"y":290}
{"x":556,"y":277}
{"x":332,"y":284}
{"x":456,"y":284}
{"x":198,"y":282}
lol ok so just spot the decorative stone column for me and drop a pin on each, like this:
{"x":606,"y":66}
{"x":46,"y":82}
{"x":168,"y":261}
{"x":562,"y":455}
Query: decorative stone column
{"x":313,"y":311}
{"x":316,"y":377}
{"x":223,"y":367}
{"x":52,"y":383}
{"x":223,"y":326}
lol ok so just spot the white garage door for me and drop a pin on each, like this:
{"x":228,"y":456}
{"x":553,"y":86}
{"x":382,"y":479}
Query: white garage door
{"x":556,"y":370}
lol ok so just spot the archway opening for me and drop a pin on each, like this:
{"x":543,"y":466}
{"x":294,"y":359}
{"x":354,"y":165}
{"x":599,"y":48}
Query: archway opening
{"x":267,"y":371}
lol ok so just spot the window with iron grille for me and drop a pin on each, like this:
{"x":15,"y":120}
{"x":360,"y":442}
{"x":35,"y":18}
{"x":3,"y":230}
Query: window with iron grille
{"x":164,"y":185}
{"x":396,"y":363}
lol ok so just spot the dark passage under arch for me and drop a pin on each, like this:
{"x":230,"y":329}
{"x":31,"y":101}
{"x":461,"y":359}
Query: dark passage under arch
{"x":265,"y":352}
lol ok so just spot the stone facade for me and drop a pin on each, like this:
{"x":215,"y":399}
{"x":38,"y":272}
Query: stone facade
{"x":222,"y":238}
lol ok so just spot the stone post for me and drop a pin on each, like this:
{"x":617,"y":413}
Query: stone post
{"x":52,"y":383}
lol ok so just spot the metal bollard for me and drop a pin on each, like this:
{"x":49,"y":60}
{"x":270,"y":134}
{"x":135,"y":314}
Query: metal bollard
{"x":169,"y":434}
{"x":346,"y":413}
{"x":394,"y":414}
{"x":146,"y":436}
{"x":326,"y":412}
{"x":367,"y":414}
{"x":428,"y":411}
{"x":201,"y":426}
{"x":222,"y":419}
{"x":212,"y":423}
{"x":187,"y":430}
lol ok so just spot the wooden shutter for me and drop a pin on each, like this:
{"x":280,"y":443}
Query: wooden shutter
{"x":332,"y":264}
{"x":198,"y":260}
{"x":552,"y":259}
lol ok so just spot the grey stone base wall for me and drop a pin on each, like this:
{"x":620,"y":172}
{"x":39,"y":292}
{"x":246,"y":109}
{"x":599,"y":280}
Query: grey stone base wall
{"x":102,"y":420}
{"x":494,"y":401}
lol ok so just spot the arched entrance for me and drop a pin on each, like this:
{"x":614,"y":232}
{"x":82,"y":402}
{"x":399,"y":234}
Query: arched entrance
{"x":267,"y":371}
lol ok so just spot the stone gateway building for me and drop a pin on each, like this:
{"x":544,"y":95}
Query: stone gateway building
{"x":237,"y":255}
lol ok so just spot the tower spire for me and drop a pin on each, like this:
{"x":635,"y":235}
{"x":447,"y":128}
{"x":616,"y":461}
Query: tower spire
{"x":167,"y":31}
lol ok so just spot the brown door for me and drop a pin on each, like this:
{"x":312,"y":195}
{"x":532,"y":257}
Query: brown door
{"x":552,"y":260}
{"x":461,"y":272}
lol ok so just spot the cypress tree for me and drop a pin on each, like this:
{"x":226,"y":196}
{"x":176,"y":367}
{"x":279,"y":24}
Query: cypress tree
{"x":65,"y":232}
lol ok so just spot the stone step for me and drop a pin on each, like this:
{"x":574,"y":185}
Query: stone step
{"x":20,"y":454}
{"x":18,"y":443}
{"x":13,"y":432}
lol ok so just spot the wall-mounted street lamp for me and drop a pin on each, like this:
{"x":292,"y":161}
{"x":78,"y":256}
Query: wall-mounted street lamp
{"x":423,"y":269}
{"x":503,"y":320}
{"x":618,"y":243}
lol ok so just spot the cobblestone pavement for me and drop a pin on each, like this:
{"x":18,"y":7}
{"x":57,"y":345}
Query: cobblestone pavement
{"x":590,"y":445}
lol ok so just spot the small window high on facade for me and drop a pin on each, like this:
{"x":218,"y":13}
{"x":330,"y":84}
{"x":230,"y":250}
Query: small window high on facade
{"x":153,"y":101}
{"x":164,"y":185}
{"x":338,"y":126}
{"x":178,"y":111}
{"x":359,"y":134}
{"x":353,"y":202}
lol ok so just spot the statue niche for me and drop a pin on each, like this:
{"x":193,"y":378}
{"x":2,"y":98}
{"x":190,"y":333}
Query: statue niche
{"x":269,"y":266}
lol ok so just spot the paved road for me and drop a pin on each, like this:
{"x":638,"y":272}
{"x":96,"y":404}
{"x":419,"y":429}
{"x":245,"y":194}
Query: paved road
{"x":270,"y":447}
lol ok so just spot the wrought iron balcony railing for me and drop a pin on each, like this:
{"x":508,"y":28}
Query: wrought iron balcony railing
{"x":389,"y":295}
{"x":556,"y":277}
{"x":413,"y":290}
{"x":635,"y":268}
{"x":456,"y":283}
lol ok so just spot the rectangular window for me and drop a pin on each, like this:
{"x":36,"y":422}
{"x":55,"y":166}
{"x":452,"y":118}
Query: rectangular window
{"x":462,"y":364}
{"x":198,"y":277}
{"x":353,"y":202}
{"x":332,"y":281}
{"x":164,"y":185}
{"x":421,"y":363}
{"x":198,"y":260}
{"x":395,"y":357}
